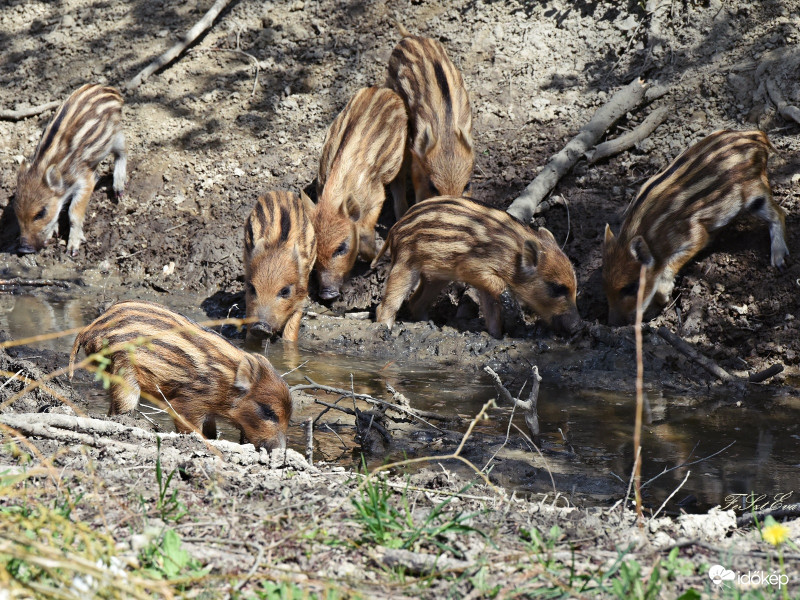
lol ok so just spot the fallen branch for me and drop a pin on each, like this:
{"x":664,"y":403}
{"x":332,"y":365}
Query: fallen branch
{"x":787,"y":111}
{"x":313,"y":385}
{"x":691,"y":352}
{"x":765,"y":374}
{"x":36,"y":428}
{"x":788,"y":510}
{"x":629,"y":139}
{"x":625,"y":100}
{"x":179,"y":47}
{"x":31,"y":111}
{"x":19,"y":281}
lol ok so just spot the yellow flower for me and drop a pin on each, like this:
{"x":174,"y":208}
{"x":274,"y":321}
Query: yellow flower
{"x":775,"y":534}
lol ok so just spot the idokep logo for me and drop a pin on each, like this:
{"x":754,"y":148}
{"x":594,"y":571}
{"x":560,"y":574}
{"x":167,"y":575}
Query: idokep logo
{"x":718,"y":574}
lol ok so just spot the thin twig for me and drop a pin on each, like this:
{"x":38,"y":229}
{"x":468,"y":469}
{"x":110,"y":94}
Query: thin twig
{"x":675,"y":491}
{"x":630,"y":485}
{"x":313,"y":385}
{"x":637,"y":431}
{"x":694,"y":462}
{"x":544,"y":460}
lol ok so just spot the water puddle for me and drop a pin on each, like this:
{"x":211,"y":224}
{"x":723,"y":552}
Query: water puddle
{"x":587,"y":434}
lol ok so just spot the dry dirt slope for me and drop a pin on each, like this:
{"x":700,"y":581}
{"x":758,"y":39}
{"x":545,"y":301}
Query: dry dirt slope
{"x":204,"y":142}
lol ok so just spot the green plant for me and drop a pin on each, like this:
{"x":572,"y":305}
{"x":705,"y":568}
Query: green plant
{"x":630,"y":584}
{"x":287,"y":590}
{"x":169,"y":507}
{"x":166,"y":559}
{"x":389,"y":526}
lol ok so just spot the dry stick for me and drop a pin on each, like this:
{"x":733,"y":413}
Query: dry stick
{"x":675,"y":491}
{"x":313,"y":385}
{"x":505,"y":441}
{"x":34,"y":282}
{"x":637,"y":431}
{"x":705,"y":362}
{"x":172,"y":53}
{"x":629,"y":139}
{"x":544,"y":460}
{"x":309,"y":427}
{"x":687,"y":464}
{"x":765,"y":374}
{"x":24,"y":113}
{"x":630,"y":485}
{"x":34,"y":428}
{"x":787,"y":111}
{"x":788,"y":510}
{"x":625,"y":100}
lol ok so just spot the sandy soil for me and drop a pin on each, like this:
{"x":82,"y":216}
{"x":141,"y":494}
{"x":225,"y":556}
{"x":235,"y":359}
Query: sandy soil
{"x":210,"y":132}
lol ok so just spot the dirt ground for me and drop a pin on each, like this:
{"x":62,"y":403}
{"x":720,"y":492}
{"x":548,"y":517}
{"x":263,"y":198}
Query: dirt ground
{"x":246,"y":108}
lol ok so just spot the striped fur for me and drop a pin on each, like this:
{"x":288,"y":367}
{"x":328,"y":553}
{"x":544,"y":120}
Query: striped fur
{"x":84,"y":131}
{"x":457,"y":239}
{"x":156,"y":351}
{"x":280,"y":249}
{"x":440,"y":153}
{"x":363,"y":151}
{"x":672,"y":217}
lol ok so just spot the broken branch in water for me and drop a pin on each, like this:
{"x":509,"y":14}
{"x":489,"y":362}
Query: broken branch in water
{"x":313,"y":385}
{"x":529,"y":406}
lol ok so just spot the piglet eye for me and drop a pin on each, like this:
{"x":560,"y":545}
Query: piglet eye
{"x":434,"y":190}
{"x":468,"y":188}
{"x":342,"y":249}
{"x":251,"y":289}
{"x":631,"y":289}
{"x":285,"y":292}
{"x":556,"y":290}
{"x":40,"y":215}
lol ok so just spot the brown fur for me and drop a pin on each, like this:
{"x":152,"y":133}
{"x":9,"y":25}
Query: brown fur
{"x":362,"y":153}
{"x":440,"y":154}
{"x":84,"y":131}
{"x":280,"y":249}
{"x":456,"y":239}
{"x":160,"y":354}
{"x":676,"y":210}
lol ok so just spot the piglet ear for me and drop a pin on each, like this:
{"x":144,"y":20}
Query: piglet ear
{"x":308,"y":204}
{"x":530,"y":257}
{"x":23,"y":167}
{"x":244,"y":376}
{"x":641,"y":251}
{"x":465,"y":138}
{"x":609,"y":236}
{"x":351,"y":209}
{"x":52,"y":178}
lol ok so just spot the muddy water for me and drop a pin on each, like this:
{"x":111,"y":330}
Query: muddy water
{"x":587,"y":434}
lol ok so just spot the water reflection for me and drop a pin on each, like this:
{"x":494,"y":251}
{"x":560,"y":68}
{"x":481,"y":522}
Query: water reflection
{"x":587,"y":434}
